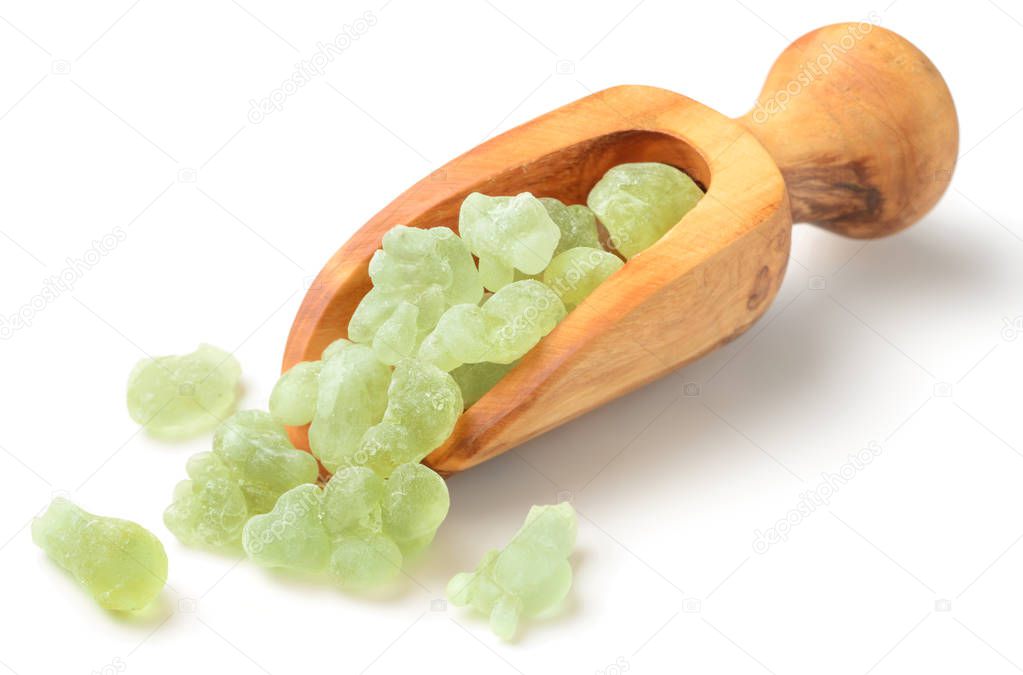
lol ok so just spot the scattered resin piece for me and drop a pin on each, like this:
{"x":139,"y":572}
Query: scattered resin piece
{"x":122,"y":564}
{"x":531,"y":575}
{"x":476,"y":379}
{"x":251,"y":465}
{"x":507,"y":234}
{"x":577,"y":272}
{"x":423,"y":403}
{"x":178,"y":396}
{"x":639,"y":202}
{"x":360,"y":526}
{"x":430,"y":269}
{"x":577,"y":223}
{"x":293,"y":400}
{"x":506,"y":326}
{"x":352,"y":397}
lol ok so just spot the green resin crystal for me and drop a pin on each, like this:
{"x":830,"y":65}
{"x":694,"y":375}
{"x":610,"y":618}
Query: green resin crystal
{"x":577,"y":272}
{"x":292,"y":534}
{"x":364,"y":560}
{"x":577,"y":223}
{"x":476,"y":379}
{"x":335,"y":348}
{"x":397,"y":337}
{"x":415,"y":503}
{"x":121,"y":564}
{"x":293,"y":400}
{"x":359,"y":526}
{"x":209,"y":509}
{"x":518,"y":316}
{"x":251,"y":465}
{"x":460,"y":337}
{"x":351,"y":501}
{"x":529,"y":576}
{"x":638,"y":203}
{"x":423,"y":403}
{"x":507,"y":234}
{"x":352,"y":397}
{"x":506,"y":326}
{"x":178,"y":396}
{"x":430,"y":269}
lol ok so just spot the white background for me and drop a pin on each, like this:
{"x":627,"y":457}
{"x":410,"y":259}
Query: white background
{"x":135,"y":115}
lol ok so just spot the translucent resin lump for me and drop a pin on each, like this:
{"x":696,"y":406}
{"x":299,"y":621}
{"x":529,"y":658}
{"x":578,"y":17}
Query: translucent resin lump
{"x":120,"y":563}
{"x":528,"y":577}
{"x":638,"y":203}
{"x":179,"y":396}
{"x":359,"y":527}
{"x":252,"y":463}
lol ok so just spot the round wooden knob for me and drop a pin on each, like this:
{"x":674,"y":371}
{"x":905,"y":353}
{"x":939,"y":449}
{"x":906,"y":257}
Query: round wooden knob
{"x":862,"y":127}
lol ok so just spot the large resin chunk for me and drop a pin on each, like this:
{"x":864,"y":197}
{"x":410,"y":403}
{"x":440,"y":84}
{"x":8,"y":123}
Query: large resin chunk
{"x":178,"y":396}
{"x":502,"y":330}
{"x":352,"y":397}
{"x":121,"y":564}
{"x":577,"y":223}
{"x":639,"y":202}
{"x":251,"y":465}
{"x":577,"y":272}
{"x":359,"y":527}
{"x":530,"y":575}
{"x":507,"y":234}
{"x":423,"y":403}
{"x":428,"y":269}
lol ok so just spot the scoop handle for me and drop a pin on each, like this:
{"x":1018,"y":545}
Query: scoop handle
{"x":862,"y":126}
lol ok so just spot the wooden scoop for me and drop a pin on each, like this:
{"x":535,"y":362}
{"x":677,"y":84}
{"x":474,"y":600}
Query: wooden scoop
{"x":855,"y":131}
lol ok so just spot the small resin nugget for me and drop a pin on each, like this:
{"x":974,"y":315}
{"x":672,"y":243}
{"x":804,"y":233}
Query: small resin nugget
{"x":177,"y":396}
{"x":360,"y":526}
{"x":122,"y":564}
{"x":501,"y":330}
{"x":507,"y":234}
{"x":423,"y":404}
{"x":638,"y":203}
{"x":577,"y":272}
{"x":252,"y":463}
{"x":577,"y":223}
{"x":293,"y":399}
{"x":530,"y":575}
{"x":416,"y":276}
{"x":351,"y":397}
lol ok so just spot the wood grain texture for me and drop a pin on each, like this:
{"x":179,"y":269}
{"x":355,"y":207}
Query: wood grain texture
{"x":862,"y":127}
{"x":701,"y":285}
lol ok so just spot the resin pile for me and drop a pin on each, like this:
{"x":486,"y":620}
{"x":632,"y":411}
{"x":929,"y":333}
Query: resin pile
{"x":434,"y":334}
